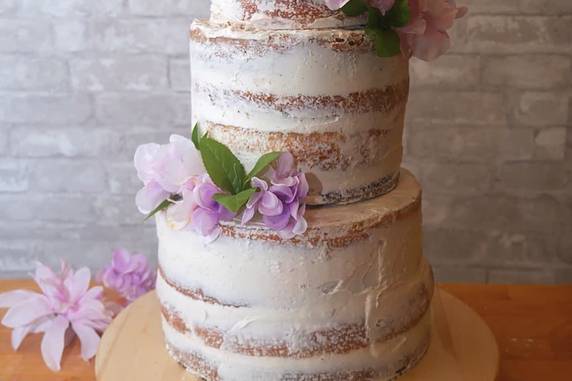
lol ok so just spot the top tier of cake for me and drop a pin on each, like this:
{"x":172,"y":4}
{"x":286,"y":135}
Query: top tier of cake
{"x":280,"y":14}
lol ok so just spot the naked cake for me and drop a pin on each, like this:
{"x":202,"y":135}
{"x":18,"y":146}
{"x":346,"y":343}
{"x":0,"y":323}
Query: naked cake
{"x":328,"y":281}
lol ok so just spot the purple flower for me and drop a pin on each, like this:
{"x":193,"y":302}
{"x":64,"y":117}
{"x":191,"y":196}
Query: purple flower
{"x":281,"y":203}
{"x":164,"y":170}
{"x":197,"y":208}
{"x":129,"y":275}
{"x":65,"y":307}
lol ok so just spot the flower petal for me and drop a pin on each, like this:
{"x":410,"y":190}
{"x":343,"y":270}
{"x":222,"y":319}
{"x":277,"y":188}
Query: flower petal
{"x":78,"y":284}
{"x":27,"y":312}
{"x":150,"y":196}
{"x":144,"y":159}
{"x":247,"y":215}
{"x":53,"y":343}
{"x":88,"y":338}
{"x":12,"y":298}
{"x":19,"y":334}
{"x":270,"y":205}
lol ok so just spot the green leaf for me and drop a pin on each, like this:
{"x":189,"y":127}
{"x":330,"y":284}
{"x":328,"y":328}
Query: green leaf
{"x":261,"y":165}
{"x":385,"y":41}
{"x":354,"y":8}
{"x":374,"y":18}
{"x":196,"y":136}
{"x":399,"y":15}
{"x":223,"y":167}
{"x":162,"y":206}
{"x":234,"y":202}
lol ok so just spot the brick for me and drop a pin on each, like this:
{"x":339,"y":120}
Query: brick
{"x":8,"y":7}
{"x":496,"y":211}
{"x":530,"y":176}
{"x":552,"y":7}
{"x":71,"y":8}
{"x":126,"y":73}
{"x":565,"y":249}
{"x":16,"y":258}
{"x":94,"y":254}
{"x":45,"y":109}
{"x":521,"y":276}
{"x":163,"y":36}
{"x":443,"y":246}
{"x":455,"y":177}
{"x":550,"y":143}
{"x":73,"y":35}
{"x":65,"y":208}
{"x":118,"y":210}
{"x":492,"y":6}
{"x":13,"y":176}
{"x":143,"y":109}
{"x":457,"y":274}
{"x":542,"y":7}
{"x":24,"y":73}
{"x":180,"y":75}
{"x":72,"y":143}
{"x":527,"y":71}
{"x":540,"y":109}
{"x":499,"y":34}
{"x":122,"y":178}
{"x":25,"y":36}
{"x":62,"y":176}
{"x":459,"y":107}
{"x":134,"y":139}
{"x":449,"y":71}
{"x":563,"y":275}
{"x":470,"y":144}
{"x":196,"y":9}
{"x":3,"y":140}
{"x":521,"y":248}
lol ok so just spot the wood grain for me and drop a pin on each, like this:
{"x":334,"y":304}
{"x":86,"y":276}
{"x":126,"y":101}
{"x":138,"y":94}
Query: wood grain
{"x":532,"y":324}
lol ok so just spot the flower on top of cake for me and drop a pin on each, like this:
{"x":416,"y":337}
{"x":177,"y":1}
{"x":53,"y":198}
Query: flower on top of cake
{"x":415,"y":28}
{"x":200,"y":183}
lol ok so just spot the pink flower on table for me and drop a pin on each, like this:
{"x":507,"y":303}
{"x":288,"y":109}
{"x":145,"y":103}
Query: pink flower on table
{"x":164,"y":170}
{"x":197,"y":209}
{"x":129,"y":275}
{"x":426,"y":37}
{"x":66,"y":306}
{"x":281,"y":203}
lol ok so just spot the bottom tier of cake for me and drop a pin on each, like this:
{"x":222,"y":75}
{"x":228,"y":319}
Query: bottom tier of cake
{"x":349,"y":300}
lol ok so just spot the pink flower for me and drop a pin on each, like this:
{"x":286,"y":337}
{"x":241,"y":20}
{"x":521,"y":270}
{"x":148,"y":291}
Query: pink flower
{"x":382,"y":5}
{"x":281,"y":203}
{"x":426,"y":37}
{"x":197,"y":210}
{"x":129,"y":275}
{"x":164,"y":170}
{"x":66,"y":306}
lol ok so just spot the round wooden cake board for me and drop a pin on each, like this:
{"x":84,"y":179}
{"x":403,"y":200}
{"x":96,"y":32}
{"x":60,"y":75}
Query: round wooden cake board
{"x":462,"y":347}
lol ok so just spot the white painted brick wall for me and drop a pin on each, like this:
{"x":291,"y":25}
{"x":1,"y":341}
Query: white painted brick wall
{"x":84,"y":82}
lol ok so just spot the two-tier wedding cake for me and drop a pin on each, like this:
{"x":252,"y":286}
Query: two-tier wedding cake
{"x":322,"y":277}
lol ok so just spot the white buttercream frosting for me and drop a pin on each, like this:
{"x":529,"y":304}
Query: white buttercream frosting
{"x":280,"y":14}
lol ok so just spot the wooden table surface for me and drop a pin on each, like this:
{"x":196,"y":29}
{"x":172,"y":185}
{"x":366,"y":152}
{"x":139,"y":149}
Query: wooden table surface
{"x":533,"y":326}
